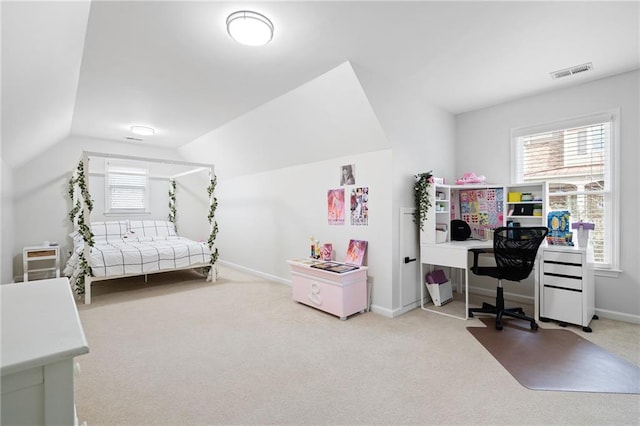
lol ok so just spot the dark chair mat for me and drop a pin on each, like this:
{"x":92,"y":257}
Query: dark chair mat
{"x":560,"y":360}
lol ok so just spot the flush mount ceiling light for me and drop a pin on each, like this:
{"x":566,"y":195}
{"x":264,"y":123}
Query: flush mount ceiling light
{"x":249,"y":28}
{"x":142,"y":130}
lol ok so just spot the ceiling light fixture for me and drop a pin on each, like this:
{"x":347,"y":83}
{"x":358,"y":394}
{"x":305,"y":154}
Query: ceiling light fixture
{"x":142,"y":130}
{"x":249,"y":28}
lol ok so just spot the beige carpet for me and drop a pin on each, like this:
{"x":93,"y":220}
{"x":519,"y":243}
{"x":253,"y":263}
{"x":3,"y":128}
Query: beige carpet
{"x":180,"y":351}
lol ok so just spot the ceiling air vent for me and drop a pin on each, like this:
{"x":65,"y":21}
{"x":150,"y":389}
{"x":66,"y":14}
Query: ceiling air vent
{"x":571,"y":71}
{"x":129,"y":138}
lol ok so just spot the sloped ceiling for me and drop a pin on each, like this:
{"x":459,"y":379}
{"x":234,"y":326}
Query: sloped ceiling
{"x":42,"y":45}
{"x":326,"y":117}
{"x":171,"y":65}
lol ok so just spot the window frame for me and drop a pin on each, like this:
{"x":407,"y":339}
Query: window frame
{"x":143,"y":168}
{"x":612,"y":173}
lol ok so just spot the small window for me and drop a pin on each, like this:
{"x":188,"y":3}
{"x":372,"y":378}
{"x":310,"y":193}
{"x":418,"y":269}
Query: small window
{"x":127,"y":186}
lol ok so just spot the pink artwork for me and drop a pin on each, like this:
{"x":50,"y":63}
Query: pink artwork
{"x":326,"y":251}
{"x":335,"y":206}
{"x":355,"y":252}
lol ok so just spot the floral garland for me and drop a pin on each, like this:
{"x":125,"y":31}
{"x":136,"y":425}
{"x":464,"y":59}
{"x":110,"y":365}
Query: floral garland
{"x":76,"y":216}
{"x":212,"y":221}
{"x":422,"y":200}
{"x":172,"y":203}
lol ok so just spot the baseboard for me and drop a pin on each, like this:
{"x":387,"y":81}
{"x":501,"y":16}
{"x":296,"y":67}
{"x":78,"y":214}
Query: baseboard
{"x":250,"y":271}
{"x":393,"y":313}
{"x":519,"y":298}
{"x":401,"y":311}
{"x":618,"y":316}
{"x":381,"y":311}
{"x":512,"y":297}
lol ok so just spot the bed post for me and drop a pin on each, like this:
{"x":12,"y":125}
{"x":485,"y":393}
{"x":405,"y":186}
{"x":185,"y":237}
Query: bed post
{"x":213,"y":271}
{"x":87,"y":290}
{"x":87,"y":214}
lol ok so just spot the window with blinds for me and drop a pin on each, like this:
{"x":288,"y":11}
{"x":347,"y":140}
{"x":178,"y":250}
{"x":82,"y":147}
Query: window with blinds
{"x":126,"y":187}
{"x":574,"y":158}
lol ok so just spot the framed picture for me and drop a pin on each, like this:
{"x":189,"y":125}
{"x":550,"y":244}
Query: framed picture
{"x":348,"y":175}
{"x":355,"y":252}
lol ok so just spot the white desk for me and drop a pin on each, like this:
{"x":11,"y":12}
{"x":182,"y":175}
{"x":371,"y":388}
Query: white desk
{"x":41,"y":333}
{"x":454,"y":254}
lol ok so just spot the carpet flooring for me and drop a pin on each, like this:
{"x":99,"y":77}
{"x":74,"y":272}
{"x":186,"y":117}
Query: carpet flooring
{"x":559,"y":360}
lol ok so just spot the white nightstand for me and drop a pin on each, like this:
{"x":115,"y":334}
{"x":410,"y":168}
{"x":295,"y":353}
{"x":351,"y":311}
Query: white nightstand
{"x":42,"y":255}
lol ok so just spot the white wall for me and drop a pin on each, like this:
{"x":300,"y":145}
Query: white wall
{"x":192,"y":206}
{"x":483,"y":141}
{"x":6,"y":247}
{"x":269,"y":217}
{"x":422,"y":137}
{"x":40,"y":199}
{"x":275,"y":165}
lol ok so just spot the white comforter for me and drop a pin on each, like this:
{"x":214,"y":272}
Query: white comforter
{"x":139,"y":255}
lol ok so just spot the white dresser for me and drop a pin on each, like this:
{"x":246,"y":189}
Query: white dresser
{"x":567,"y":285}
{"x":41,"y":334}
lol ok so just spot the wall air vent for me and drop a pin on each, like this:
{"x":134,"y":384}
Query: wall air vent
{"x":129,"y":138}
{"x":571,"y":71}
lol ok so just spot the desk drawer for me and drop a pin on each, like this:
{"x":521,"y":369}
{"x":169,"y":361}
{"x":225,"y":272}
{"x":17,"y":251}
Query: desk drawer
{"x":41,"y":253}
{"x":557,"y":256}
{"x":444,"y":256}
{"x":564,"y":282}
{"x":562,"y":305}
{"x":557,"y":268}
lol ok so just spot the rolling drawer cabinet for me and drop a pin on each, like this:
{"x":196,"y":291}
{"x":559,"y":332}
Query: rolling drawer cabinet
{"x":567,"y":286}
{"x":338,"y":294}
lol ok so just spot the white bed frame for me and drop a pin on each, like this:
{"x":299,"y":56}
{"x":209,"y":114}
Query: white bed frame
{"x":196,"y":167}
{"x":88,"y":280}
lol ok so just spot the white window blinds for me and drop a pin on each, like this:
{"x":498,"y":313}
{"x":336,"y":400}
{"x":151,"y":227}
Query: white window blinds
{"x":126,"y":187}
{"x":575,"y":160}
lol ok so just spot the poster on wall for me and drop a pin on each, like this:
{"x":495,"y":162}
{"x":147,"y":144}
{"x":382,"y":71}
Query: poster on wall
{"x":348,"y":175}
{"x":355,"y":252}
{"x":335,"y":206}
{"x":360,"y":206}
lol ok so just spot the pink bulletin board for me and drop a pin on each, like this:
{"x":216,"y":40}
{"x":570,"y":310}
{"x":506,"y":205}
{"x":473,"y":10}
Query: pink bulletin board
{"x":482,"y":209}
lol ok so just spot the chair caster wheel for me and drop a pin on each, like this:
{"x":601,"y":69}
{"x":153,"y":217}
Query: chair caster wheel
{"x":470,"y":314}
{"x":498,"y":326}
{"x":534,"y":326}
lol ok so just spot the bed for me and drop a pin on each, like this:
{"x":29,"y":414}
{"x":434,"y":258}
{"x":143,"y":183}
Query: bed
{"x":108,"y":249}
{"x":134,"y":247}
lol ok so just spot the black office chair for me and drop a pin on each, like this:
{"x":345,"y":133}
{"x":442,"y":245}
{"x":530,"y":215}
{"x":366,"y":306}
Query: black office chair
{"x":515,"y":251}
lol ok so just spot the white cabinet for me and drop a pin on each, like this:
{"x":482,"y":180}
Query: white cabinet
{"x":41,"y":335}
{"x":567,"y":285}
{"x":44,"y":258}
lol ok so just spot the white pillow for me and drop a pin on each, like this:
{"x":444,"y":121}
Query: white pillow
{"x":152,"y":228}
{"x":114,"y":229}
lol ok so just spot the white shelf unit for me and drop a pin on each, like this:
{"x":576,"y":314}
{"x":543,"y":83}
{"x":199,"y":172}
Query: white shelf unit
{"x":445,"y":206}
{"x":40,"y":256}
{"x":539,"y":204}
{"x":439,"y":213}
